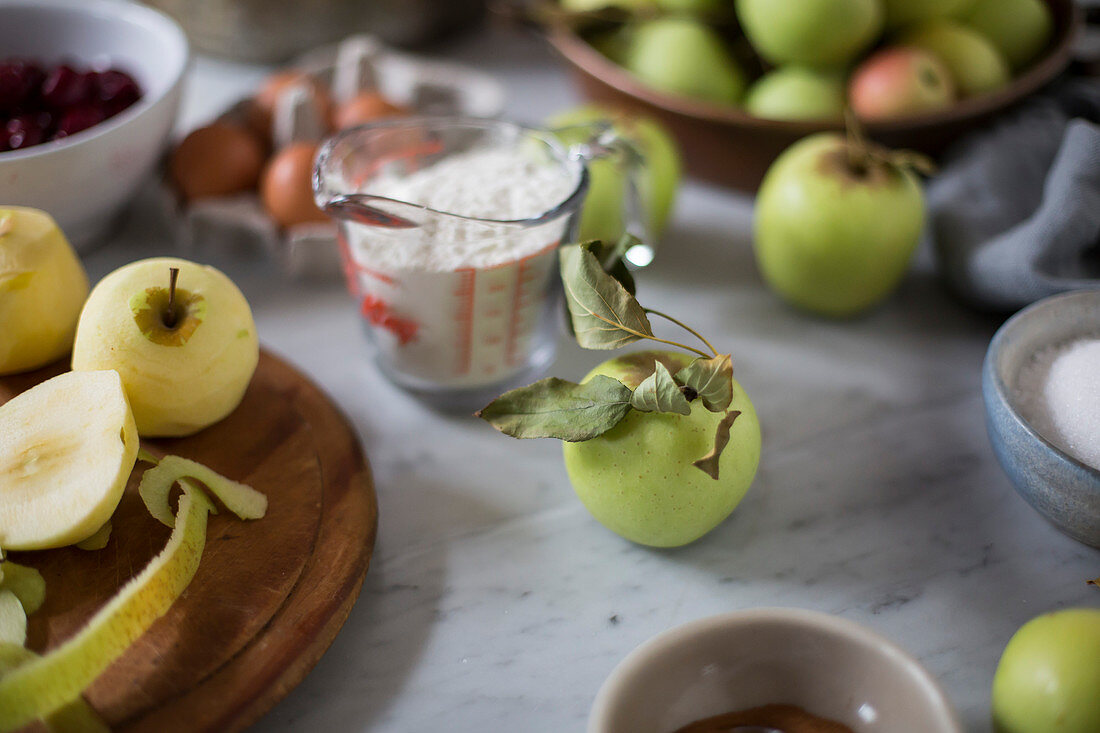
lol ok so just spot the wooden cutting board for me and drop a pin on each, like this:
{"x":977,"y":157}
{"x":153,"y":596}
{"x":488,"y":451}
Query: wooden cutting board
{"x":269,"y":595}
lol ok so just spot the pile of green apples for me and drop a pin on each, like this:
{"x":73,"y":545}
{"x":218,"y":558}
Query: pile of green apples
{"x":811,"y":59}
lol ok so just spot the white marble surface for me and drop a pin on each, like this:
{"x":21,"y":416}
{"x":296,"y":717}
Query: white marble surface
{"x":495,"y":603}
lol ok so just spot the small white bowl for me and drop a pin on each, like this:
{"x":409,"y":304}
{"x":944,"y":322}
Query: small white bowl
{"x":827,"y":665}
{"x":84,"y":180}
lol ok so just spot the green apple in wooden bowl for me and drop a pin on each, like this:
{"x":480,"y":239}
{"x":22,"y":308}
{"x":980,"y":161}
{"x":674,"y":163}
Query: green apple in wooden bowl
{"x":185,"y":347}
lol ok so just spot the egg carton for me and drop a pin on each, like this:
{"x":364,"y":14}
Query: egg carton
{"x":239,"y":225}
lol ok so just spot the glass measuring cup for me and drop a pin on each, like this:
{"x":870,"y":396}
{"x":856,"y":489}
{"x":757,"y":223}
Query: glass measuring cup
{"x":459,"y":305}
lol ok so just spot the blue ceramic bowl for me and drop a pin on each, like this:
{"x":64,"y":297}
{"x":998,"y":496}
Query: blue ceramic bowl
{"x":1060,"y":487}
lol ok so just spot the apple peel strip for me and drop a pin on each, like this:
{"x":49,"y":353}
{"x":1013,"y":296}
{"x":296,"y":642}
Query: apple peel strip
{"x":48,"y":683}
{"x":76,"y":717}
{"x":157,"y":482}
{"x":26,"y":583}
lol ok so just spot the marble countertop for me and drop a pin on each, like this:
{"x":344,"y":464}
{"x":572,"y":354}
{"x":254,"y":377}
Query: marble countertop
{"x":496,"y":603}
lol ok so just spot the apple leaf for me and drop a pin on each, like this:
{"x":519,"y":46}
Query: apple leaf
{"x":708,"y":464}
{"x":555,"y":408}
{"x":603,"y":313}
{"x":659,"y":393}
{"x":712,"y":380}
{"x":612,"y":259}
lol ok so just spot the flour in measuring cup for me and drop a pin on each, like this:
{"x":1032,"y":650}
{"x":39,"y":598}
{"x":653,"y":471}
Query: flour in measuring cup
{"x":455,"y":303}
{"x":501,"y":183}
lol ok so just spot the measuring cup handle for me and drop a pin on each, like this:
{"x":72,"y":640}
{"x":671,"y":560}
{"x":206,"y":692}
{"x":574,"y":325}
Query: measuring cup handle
{"x":606,"y":143}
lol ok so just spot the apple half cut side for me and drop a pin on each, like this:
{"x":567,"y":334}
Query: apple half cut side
{"x":67,"y":447}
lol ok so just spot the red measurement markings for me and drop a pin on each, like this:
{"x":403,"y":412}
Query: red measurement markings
{"x":464,"y":318}
{"x":519,"y":301}
{"x":378,"y":313}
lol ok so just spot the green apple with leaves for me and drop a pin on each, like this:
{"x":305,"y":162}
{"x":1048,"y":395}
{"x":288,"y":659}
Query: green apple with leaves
{"x":639,"y":479}
{"x":660,"y":446}
{"x":658,"y":176}
{"x":836,"y":223}
{"x":827,"y":33}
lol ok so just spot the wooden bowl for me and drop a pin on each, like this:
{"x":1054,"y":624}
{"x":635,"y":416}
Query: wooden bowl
{"x":727,"y":146}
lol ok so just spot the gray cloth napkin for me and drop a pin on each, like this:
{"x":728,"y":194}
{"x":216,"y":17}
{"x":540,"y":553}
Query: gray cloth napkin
{"x":1015,"y":211}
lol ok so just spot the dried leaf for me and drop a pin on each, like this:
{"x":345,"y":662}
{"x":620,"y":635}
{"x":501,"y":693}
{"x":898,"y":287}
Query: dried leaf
{"x":712,"y":379}
{"x":555,"y":408}
{"x":603,"y":314}
{"x":659,"y":393}
{"x":612,"y":259}
{"x":708,"y":464}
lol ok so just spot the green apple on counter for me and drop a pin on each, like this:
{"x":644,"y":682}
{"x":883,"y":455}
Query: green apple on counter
{"x":1048,"y":679}
{"x":797,"y":93}
{"x":660,"y":446}
{"x":42,"y":287}
{"x":684,"y":56}
{"x":67,"y":447}
{"x":811,"y":32}
{"x":974,"y":62}
{"x":659,"y":181}
{"x":836,"y":224}
{"x":185,"y":356}
{"x":638,"y":480}
{"x":1020,"y":29}
{"x":900,"y":81}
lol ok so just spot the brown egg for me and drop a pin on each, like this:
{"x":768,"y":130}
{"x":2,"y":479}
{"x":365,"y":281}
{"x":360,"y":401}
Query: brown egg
{"x":262,"y":109}
{"x":364,"y":108}
{"x":286,"y":188}
{"x":217,"y":160}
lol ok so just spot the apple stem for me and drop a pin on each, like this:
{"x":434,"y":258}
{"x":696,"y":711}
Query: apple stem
{"x":170,"y":316}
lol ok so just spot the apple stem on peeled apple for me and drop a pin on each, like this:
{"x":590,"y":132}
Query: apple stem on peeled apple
{"x":170,"y":314}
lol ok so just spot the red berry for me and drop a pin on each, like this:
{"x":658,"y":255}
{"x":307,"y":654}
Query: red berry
{"x":19,"y":84}
{"x":116,"y":90}
{"x":65,"y":87}
{"x":75,"y":119}
{"x":24,"y":131}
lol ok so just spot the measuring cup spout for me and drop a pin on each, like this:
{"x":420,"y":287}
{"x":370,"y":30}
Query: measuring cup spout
{"x":362,"y":208}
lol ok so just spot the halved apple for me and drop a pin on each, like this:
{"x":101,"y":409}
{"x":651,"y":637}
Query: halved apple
{"x":67,"y":447}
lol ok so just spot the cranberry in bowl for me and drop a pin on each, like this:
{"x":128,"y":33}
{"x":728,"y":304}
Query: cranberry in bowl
{"x":88,"y":95}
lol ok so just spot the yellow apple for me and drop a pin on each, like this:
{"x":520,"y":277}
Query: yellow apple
{"x":185,"y":365}
{"x":42,"y":286}
{"x":67,"y":447}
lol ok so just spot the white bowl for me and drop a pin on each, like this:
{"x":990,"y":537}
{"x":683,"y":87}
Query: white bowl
{"x":827,"y":665}
{"x":84,"y":180}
